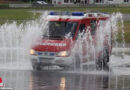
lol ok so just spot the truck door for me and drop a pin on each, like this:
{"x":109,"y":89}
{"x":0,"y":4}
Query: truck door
{"x":82,"y":28}
{"x":93,"y":26}
{"x":81,"y":32}
{"x":93,"y":30}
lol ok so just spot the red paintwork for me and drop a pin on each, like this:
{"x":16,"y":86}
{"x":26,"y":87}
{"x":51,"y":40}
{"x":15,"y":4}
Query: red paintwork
{"x":0,"y":80}
{"x":54,"y":48}
{"x":69,"y":43}
{"x":65,"y":20}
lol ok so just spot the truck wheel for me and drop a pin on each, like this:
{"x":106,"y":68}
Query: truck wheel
{"x":37,"y":67}
{"x":102,"y":62}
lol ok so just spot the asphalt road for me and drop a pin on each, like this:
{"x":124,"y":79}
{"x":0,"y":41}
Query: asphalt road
{"x":117,"y":78}
{"x":61,"y":80}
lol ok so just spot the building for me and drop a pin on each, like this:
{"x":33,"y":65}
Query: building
{"x":90,"y":1}
{"x":70,"y":1}
{"x":116,"y":1}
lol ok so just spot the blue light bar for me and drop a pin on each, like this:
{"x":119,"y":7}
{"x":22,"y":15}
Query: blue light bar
{"x":77,"y":14}
{"x":52,"y":13}
{"x":67,"y":13}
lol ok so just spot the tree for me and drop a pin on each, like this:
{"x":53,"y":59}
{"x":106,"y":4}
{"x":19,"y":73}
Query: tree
{"x":28,"y":0}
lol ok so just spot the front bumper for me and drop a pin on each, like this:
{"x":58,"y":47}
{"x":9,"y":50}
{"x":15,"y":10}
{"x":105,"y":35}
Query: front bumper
{"x":47,"y":60}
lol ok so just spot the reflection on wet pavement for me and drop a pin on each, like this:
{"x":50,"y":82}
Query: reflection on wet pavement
{"x":57,"y":80}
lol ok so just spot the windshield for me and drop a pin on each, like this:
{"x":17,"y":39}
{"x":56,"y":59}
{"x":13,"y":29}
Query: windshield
{"x":61,"y":29}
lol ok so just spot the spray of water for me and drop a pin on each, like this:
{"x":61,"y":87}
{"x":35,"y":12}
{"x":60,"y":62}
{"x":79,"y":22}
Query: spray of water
{"x":107,"y":32}
{"x":16,"y":40}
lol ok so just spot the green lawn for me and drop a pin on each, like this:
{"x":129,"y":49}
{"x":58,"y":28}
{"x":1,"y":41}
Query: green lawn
{"x":15,"y":14}
{"x":127,"y":31}
{"x":23,"y":14}
{"x":101,"y":9}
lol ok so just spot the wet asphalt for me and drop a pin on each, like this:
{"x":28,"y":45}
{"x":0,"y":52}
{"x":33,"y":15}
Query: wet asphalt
{"x":63,"y":80}
{"x":57,"y":79}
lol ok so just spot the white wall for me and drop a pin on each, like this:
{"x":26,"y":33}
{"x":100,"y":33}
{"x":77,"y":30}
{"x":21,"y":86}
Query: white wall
{"x":57,"y":1}
{"x":60,"y":1}
{"x":91,"y":1}
{"x":114,"y":1}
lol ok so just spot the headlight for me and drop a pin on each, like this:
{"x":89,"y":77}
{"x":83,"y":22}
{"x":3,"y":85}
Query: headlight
{"x":63,"y":53}
{"x":32,"y":52}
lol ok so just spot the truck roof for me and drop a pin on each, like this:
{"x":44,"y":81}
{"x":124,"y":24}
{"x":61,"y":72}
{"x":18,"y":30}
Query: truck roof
{"x":76,"y":15}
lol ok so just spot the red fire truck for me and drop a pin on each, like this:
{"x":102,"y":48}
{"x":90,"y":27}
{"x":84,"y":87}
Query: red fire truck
{"x":56,"y":49}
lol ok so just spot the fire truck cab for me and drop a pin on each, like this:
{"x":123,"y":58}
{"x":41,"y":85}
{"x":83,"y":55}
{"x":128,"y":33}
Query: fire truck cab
{"x":55,"y":46}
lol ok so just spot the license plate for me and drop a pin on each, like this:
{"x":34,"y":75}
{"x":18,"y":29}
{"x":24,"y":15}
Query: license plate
{"x":45,"y":59}
{"x":46,"y":53}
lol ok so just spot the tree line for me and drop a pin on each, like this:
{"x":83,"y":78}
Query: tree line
{"x":36,"y":0}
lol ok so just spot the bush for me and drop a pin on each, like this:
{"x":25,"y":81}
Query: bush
{"x":4,"y":6}
{"x":28,"y":0}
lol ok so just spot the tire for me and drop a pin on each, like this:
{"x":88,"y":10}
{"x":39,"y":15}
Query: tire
{"x":102,"y":62}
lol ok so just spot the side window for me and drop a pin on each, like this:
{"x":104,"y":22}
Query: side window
{"x":81,"y":28}
{"x":93,"y":27}
{"x":102,"y":22}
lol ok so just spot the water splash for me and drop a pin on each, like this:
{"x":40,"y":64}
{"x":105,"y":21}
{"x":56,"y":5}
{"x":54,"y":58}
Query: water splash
{"x":16,"y":40}
{"x":118,"y":29}
{"x":113,"y":28}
